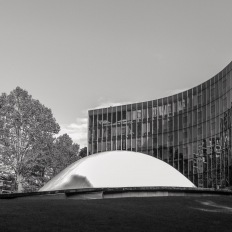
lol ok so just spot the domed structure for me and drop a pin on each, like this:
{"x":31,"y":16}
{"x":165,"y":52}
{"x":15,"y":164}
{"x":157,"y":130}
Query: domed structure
{"x":117,"y":169}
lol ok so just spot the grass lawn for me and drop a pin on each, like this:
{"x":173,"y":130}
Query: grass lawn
{"x":125,"y":214}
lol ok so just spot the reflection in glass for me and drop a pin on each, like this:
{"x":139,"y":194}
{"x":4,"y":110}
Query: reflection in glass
{"x":190,"y":130}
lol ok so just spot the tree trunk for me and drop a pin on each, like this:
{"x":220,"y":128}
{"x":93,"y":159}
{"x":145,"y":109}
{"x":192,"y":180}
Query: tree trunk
{"x":19,"y":179}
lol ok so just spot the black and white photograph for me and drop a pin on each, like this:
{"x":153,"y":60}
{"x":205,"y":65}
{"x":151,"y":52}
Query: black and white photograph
{"x":115,"y":115}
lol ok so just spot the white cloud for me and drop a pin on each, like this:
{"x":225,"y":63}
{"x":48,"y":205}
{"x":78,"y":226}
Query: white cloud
{"x":175,"y":91}
{"x":109,"y":103}
{"x":78,"y":129}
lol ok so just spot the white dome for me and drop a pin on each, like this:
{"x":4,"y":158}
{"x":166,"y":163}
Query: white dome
{"x":117,"y":169}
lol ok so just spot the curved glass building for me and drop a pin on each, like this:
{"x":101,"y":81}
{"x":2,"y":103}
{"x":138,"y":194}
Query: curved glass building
{"x":190,"y":130}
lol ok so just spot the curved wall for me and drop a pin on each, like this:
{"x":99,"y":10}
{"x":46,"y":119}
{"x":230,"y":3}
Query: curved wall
{"x":191,"y":130}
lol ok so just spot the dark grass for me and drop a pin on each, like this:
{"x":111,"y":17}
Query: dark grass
{"x":125,"y":214}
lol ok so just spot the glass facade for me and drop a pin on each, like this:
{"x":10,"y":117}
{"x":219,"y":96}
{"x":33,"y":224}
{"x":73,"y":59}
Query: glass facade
{"x":190,"y":130}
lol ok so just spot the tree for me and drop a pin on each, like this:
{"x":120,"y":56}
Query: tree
{"x":83,"y":152}
{"x":58,"y":154}
{"x":64,"y":152}
{"x":26,"y":130}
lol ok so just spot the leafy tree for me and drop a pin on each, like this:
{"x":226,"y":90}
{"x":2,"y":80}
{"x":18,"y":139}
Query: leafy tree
{"x":26,"y":130}
{"x":58,"y":154}
{"x":64,"y":152}
{"x":83,"y":152}
{"x":38,"y":170}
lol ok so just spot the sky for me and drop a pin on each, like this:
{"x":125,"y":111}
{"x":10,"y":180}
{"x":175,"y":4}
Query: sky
{"x":76,"y":55}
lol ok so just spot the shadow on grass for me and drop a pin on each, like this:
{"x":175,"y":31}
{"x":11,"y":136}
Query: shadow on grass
{"x":125,"y":214}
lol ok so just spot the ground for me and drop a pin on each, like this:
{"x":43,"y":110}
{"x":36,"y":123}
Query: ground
{"x":126,"y":214}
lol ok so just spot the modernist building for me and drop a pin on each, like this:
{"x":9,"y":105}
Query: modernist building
{"x":117,"y":169}
{"x":190,"y":130}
